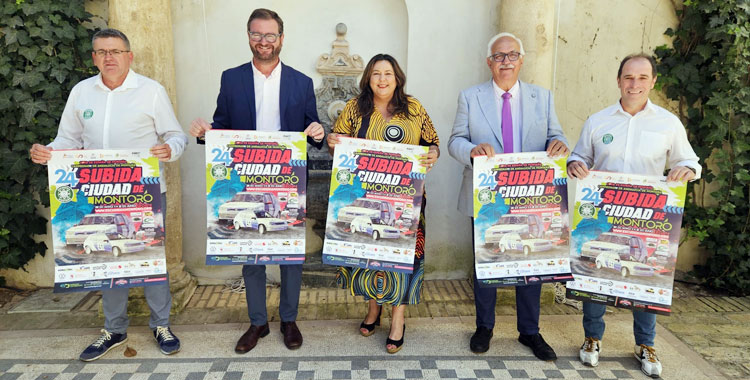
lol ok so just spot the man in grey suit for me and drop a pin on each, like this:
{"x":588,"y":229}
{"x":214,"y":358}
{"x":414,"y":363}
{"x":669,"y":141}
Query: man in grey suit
{"x":504,"y":115}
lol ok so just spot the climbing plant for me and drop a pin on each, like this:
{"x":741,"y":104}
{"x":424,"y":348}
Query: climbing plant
{"x":44,"y":50}
{"x":707,"y":71}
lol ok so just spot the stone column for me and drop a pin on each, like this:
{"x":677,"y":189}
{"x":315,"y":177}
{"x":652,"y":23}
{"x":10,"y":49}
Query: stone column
{"x":533,"y":21}
{"x":148,"y":25}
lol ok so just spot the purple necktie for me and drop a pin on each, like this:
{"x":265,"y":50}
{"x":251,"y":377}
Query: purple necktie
{"x":507,"y":124}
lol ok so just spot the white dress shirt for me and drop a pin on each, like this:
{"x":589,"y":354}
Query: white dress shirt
{"x":267,"y":91}
{"x":613,"y":140}
{"x":135,"y":115}
{"x":515,"y":112}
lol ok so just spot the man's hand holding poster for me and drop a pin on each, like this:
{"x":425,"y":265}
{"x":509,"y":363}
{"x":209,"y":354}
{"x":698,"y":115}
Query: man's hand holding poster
{"x":520,"y":219}
{"x":374,"y":205}
{"x":107,"y":219}
{"x":255,"y":190}
{"x":624,"y":240}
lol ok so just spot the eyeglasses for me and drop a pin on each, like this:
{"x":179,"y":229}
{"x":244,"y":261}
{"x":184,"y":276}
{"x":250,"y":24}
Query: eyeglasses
{"x":512,"y":56}
{"x":114,"y":52}
{"x":269,"y":37}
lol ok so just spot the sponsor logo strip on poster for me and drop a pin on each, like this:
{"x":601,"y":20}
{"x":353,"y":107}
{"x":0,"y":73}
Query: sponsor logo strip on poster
{"x":374,"y":205}
{"x":624,"y":240}
{"x":255,"y":197}
{"x":107,"y":219}
{"x":520,"y":219}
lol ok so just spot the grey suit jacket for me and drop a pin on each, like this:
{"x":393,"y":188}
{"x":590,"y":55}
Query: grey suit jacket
{"x":477,"y":122}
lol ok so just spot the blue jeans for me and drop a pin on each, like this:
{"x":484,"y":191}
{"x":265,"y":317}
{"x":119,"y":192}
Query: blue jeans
{"x":158,"y":297}
{"x":644,"y":324}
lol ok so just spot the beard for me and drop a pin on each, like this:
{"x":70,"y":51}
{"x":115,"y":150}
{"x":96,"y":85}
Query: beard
{"x":266,"y":56}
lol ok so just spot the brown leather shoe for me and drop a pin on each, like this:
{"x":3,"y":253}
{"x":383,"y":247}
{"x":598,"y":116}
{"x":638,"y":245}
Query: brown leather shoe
{"x":292,"y":336}
{"x":249,"y":339}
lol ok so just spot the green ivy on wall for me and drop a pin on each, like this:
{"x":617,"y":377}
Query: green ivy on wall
{"x":44,"y":51}
{"x":707,"y":70}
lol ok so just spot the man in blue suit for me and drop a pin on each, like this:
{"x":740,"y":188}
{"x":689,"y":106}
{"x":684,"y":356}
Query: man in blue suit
{"x":504,"y":115}
{"x":266,"y":95}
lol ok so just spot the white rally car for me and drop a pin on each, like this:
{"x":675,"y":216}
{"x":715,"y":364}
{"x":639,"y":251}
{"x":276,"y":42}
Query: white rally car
{"x":522,"y":224}
{"x":248,"y":219}
{"x":91,"y":224}
{"x":513,"y":241}
{"x":614,"y":261}
{"x":378,"y":231}
{"x":102,"y":243}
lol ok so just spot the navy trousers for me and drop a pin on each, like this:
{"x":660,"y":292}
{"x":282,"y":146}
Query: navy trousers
{"x":527,"y":307}
{"x":255,"y":292}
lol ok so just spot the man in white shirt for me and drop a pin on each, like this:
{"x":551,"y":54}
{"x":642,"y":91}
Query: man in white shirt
{"x":632,"y":136}
{"x":120,"y":109}
{"x":283,"y":100}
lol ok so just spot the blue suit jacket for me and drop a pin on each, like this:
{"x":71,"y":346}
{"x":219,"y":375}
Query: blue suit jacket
{"x":235,"y":106}
{"x":477,"y":122}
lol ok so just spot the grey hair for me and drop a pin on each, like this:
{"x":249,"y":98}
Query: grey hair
{"x":501,"y":35}
{"x":111,"y":33}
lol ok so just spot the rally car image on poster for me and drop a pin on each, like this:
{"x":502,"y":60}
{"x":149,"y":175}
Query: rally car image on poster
{"x":106,"y":210}
{"x":380,"y":212}
{"x":91,"y":224}
{"x":373,"y":206}
{"x":631,"y":247}
{"x":266,"y":203}
{"x":377,"y":231}
{"x":250,"y":219}
{"x":523,"y":224}
{"x":255,"y":197}
{"x":624,"y":240}
{"x":620,"y":263}
{"x":513,"y":241}
{"x":520,"y":219}
{"x":103,"y":243}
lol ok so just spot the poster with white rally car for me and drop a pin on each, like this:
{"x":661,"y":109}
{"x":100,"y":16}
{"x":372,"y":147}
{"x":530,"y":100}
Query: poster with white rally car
{"x":520,"y":219}
{"x":107,"y":219}
{"x":624,"y":240}
{"x":256,"y":184}
{"x":374,"y":205}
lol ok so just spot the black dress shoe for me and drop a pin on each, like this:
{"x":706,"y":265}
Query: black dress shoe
{"x":480,"y":341}
{"x":541,"y":349}
{"x":292,"y":336}
{"x":249,"y":339}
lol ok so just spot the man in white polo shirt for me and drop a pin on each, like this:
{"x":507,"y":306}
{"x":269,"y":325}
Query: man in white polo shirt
{"x":119,"y":109}
{"x":638,"y":137}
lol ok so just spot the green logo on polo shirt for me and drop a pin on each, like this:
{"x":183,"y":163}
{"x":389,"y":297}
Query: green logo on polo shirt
{"x":607,"y":138}
{"x":88,"y":114}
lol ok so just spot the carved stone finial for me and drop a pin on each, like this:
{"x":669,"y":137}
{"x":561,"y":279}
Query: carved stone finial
{"x":338,"y":62}
{"x":341,"y":30}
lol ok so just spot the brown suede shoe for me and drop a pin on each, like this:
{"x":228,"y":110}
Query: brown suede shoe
{"x":249,"y":339}
{"x":292,"y":336}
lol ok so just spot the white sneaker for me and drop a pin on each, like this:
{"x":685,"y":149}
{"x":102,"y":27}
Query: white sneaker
{"x":650,"y":364}
{"x":589,"y":353}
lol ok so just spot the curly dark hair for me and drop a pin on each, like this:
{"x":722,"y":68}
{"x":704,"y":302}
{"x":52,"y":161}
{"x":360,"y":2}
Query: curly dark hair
{"x":399,"y":102}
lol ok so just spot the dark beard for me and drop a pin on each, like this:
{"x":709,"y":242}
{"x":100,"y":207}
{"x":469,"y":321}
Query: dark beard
{"x":274,"y":54}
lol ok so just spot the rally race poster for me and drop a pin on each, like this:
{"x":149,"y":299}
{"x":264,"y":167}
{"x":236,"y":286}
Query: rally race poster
{"x":255,"y":197}
{"x":107,"y":219}
{"x":374,"y":203}
{"x":624,"y":240}
{"x":520,"y":219}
